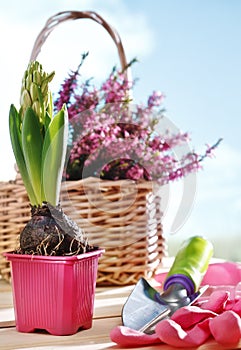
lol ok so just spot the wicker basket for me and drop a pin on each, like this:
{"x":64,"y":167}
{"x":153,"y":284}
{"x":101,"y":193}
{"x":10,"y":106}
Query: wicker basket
{"x":14,"y":214}
{"x":124,"y":216}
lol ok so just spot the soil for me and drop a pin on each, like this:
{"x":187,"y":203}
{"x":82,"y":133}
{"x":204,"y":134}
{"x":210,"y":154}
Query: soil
{"x":51,"y":232}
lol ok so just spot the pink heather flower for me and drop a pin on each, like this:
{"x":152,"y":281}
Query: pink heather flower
{"x":116,"y":87}
{"x":155,"y":100}
{"x":110,"y":140}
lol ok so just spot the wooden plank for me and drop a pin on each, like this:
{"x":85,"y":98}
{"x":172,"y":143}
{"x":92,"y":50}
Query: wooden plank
{"x":109,"y":308}
{"x":6,"y":324}
{"x":98,"y":334}
{"x":5,"y":286}
{"x":95,"y":338}
{"x":7,"y":317}
{"x":6,"y":300}
{"x":6,"y":305}
{"x":107,"y":304}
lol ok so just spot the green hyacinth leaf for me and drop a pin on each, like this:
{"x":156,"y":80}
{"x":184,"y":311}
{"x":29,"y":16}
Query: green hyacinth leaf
{"x":32,"y":142}
{"x":53,"y":156}
{"x":15,"y":136}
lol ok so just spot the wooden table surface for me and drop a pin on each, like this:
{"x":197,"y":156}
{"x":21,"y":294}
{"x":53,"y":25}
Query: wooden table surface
{"x":108,"y":305}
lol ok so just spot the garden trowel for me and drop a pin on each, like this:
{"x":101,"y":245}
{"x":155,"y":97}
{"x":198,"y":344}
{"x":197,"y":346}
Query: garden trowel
{"x":145,"y":306}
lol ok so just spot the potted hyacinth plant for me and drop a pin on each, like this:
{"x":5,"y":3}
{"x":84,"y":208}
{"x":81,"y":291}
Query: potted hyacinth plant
{"x":54,"y":268}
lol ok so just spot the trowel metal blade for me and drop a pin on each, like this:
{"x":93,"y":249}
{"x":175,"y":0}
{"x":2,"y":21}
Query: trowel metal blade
{"x":141,"y":306}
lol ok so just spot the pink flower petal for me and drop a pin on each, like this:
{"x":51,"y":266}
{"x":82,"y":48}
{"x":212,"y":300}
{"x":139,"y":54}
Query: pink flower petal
{"x":216,"y":301}
{"x":226,"y":328}
{"x":237,"y":307}
{"x":189,"y":316}
{"x":173,"y":334}
{"x":226,"y":273}
{"x":129,"y":337}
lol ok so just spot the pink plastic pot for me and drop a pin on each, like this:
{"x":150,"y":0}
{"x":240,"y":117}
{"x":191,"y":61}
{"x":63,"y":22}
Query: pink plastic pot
{"x":54,"y":293}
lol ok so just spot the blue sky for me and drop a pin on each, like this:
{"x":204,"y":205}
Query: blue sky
{"x":188,"y":49}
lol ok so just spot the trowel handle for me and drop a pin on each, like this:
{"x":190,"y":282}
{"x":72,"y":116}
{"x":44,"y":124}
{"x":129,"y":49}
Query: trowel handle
{"x":190,"y":264}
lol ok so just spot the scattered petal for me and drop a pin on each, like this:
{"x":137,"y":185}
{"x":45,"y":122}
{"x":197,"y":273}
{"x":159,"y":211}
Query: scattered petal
{"x":173,"y":334}
{"x":216,"y":302}
{"x":237,"y":307}
{"x":189,"y":316}
{"x":226,"y":328}
{"x":129,"y":337}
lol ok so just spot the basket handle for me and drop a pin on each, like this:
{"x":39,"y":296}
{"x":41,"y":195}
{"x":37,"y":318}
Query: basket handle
{"x":60,"y":17}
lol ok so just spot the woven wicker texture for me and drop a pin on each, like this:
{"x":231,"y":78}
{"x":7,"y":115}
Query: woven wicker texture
{"x":123,"y":216}
{"x":14,"y":214}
